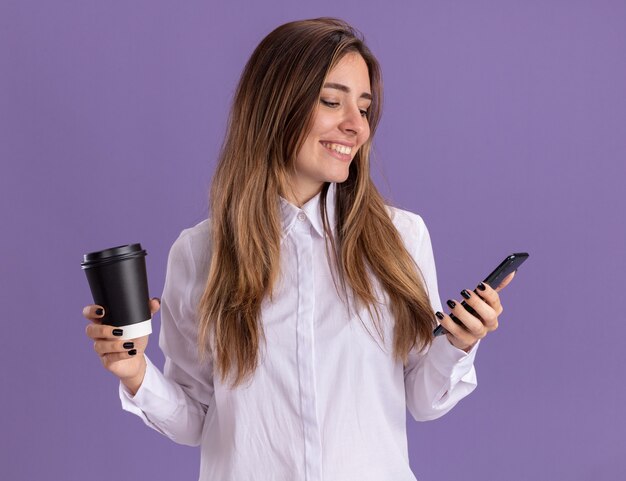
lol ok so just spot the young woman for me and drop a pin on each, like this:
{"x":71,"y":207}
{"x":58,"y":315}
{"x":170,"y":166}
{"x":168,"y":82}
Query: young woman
{"x":297,"y":321}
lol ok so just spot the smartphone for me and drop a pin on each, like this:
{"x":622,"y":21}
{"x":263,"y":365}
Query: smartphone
{"x":508,"y":265}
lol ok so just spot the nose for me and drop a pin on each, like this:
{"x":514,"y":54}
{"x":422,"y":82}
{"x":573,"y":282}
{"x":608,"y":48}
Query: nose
{"x":353,"y":122}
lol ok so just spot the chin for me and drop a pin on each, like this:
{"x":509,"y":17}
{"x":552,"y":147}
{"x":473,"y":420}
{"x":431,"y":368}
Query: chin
{"x":339,"y":176}
{"x":337,"y":179}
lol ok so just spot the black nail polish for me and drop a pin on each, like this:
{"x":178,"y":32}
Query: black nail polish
{"x":451,"y":304}
{"x":481,"y":286}
{"x":99,"y":312}
{"x":439,"y":315}
{"x":465,"y":294}
{"x":117,"y":332}
{"x":128,"y":345}
{"x":132,"y":352}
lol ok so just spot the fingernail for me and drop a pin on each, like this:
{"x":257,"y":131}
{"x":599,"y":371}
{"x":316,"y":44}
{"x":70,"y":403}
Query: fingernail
{"x":451,"y":304}
{"x":465,"y":294}
{"x":132,"y":352}
{"x":439,"y":315}
{"x":128,"y":345}
{"x":99,"y":312}
{"x":481,"y":286}
{"x":117,"y":332}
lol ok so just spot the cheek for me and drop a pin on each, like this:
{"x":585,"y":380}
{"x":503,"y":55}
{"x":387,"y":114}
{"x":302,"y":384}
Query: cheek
{"x":322,"y":125}
{"x":365,"y":135}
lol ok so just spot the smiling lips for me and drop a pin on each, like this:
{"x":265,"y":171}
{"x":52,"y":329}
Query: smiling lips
{"x":340,"y":151}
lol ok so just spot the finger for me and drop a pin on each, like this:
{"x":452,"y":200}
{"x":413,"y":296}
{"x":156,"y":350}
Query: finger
{"x":471,"y":323}
{"x":449,"y":325}
{"x":109,"y":359}
{"x":490,"y":296}
{"x":484,"y":311}
{"x":93,"y":312}
{"x":505,"y":282}
{"x":101,"y":331}
{"x":462,"y":336}
{"x":103,"y":347}
{"x":155,"y":305}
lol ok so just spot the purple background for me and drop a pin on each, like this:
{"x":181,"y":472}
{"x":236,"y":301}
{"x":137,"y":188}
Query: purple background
{"x":504,"y":127}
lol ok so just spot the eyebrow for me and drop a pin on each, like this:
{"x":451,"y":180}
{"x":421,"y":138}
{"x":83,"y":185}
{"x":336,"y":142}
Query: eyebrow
{"x":346,"y":89}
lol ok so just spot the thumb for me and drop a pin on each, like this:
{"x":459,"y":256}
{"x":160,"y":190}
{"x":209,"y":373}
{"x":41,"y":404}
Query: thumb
{"x":155,"y":305}
{"x":505,"y":282}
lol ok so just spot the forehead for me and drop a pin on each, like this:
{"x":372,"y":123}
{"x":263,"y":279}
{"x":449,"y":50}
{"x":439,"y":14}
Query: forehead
{"x":351,"y":71}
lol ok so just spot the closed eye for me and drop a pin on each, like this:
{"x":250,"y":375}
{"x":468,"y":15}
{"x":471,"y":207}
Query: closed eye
{"x":329,"y":104}
{"x":336,"y":104}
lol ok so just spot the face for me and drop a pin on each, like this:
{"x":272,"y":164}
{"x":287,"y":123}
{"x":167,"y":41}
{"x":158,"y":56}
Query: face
{"x":339,"y":128}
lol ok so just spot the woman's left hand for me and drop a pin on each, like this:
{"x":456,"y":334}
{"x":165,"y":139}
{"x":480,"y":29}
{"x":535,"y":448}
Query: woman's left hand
{"x":487,"y":305}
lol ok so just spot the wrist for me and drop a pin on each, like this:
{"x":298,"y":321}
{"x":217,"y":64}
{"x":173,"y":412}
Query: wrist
{"x":469,"y":348}
{"x":463,"y":347}
{"x":133,"y":383}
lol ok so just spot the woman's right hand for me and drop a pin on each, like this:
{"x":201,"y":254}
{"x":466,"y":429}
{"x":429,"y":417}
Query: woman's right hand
{"x":123,"y":357}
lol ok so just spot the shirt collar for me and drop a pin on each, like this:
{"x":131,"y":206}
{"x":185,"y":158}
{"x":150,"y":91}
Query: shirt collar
{"x":311,"y":209}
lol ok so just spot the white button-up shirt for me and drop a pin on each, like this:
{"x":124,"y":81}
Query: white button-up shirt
{"x":328,"y":400}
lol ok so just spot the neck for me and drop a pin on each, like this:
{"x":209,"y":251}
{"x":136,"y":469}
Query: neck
{"x":300,"y":195}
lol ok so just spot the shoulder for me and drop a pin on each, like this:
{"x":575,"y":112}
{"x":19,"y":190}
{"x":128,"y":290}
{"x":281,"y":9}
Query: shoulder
{"x":409,"y":225}
{"x":192,"y":247}
{"x":199,"y":233}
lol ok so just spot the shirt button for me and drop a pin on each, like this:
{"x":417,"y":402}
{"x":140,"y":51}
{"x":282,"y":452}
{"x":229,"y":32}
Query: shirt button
{"x":302,"y":216}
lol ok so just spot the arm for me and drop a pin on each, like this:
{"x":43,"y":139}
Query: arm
{"x":175,"y":402}
{"x":440,"y":376}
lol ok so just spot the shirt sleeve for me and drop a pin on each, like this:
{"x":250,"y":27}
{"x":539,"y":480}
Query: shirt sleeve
{"x":175,"y":402}
{"x":437,"y":378}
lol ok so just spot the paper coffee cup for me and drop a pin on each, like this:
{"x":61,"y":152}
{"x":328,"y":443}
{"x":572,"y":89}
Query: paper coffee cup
{"x":119,"y":283}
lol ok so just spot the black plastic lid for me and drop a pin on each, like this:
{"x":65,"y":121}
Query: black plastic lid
{"x":113,"y":254}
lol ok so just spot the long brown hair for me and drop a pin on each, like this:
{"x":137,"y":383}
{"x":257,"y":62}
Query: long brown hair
{"x":269,"y":121}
